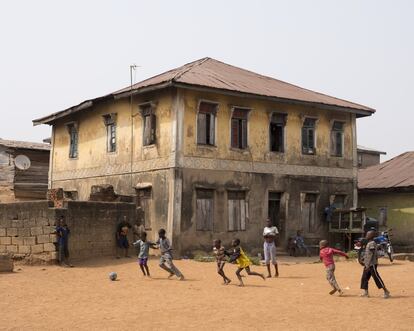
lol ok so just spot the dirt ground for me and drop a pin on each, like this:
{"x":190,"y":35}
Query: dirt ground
{"x":83,"y":298}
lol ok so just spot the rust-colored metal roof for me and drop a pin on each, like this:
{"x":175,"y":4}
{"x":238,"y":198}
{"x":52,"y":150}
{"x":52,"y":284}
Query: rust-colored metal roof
{"x":213,"y":74}
{"x":24,"y":145}
{"x":397,"y":173}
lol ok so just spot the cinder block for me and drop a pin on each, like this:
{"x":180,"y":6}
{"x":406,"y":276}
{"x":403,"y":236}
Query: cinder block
{"x":2,"y":248}
{"x":29,"y":223}
{"x":53,"y":255}
{"x":36,"y":231}
{"x":12,"y":232}
{"x":17,"y":241}
{"x":5,"y":223}
{"x":42,"y":221}
{"x":30,"y":241}
{"x":49,"y":229}
{"x":2,"y":232}
{"x":11,"y":248}
{"x":5,"y":240}
{"x":23,"y":232}
{"x":24,"y":249}
{"x":17,"y":223}
{"x":37,"y":248}
{"x":53,"y":238}
{"x":49,"y":247}
{"x":43,"y":239}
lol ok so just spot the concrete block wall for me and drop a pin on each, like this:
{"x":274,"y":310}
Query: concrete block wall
{"x":26,"y":230}
{"x":93,"y":226}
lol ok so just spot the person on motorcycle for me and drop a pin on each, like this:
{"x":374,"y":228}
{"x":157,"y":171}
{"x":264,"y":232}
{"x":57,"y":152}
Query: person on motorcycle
{"x":370,"y":266}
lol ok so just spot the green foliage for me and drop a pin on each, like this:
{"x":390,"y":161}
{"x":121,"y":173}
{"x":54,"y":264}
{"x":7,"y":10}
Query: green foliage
{"x":353,"y":254}
{"x":204,"y":258}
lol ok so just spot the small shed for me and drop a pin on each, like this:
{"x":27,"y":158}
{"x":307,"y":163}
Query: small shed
{"x":24,"y":169}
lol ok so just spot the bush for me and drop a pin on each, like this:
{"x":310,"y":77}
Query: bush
{"x":353,"y":254}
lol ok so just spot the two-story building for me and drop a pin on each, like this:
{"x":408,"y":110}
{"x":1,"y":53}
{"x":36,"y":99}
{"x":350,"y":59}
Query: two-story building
{"x":211,"y":150}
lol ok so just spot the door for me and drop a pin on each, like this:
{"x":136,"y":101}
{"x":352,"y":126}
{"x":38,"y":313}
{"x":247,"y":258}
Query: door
{"x":274,"y":209}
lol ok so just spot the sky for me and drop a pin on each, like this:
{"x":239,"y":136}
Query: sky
{"x":55,"y":54}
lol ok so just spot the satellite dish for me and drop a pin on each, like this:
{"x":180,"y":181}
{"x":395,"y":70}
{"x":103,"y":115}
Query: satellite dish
{"x":22,"y":162}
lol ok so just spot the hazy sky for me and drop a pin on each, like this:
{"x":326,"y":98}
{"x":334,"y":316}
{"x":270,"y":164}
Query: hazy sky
{"x":55,"y":54}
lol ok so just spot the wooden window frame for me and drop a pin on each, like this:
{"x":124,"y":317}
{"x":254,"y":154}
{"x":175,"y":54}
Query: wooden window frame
{"x":148,"y":115}
{"x":240,"y":119}
{"x":201,"y":196}
{"x":237,"y":225}
{"x":333,"y":139}
{"x":110,"y":121}
{"x":206,"y":139}
{"x":73,"y":130}
{"x":307,"y":150}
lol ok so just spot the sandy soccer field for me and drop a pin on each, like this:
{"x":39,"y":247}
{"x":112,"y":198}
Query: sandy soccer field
{"x":83,"y":298}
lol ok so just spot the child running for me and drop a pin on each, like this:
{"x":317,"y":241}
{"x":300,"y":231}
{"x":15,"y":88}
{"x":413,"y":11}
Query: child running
{"x":166,"y":259}
{"x":326,"y":254}
{"x":242,"y":261}
{"x":144,"y":247}
{"x":220,"y":254}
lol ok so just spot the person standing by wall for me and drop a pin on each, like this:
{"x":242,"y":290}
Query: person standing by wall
{"x":63,"y":233}
{"x":122,"y":237}
{"x":270,"y":233}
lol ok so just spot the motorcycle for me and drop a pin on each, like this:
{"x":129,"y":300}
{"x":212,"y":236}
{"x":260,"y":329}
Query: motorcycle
{"x":383,"y":243}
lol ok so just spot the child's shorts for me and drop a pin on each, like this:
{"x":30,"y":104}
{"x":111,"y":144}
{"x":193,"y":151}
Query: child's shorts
{"x":143,"y":261}
{"x":269,"y":252}
{"x":123,"y":242}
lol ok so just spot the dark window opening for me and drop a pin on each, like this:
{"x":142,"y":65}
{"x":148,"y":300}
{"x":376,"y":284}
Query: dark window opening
{"x":206,"y":121}
{"x":274,"y":208}
{"x":110,"y":123}
{"x":308,"y":136}
{"x":277,"y":127}
{"x":239,"y":128}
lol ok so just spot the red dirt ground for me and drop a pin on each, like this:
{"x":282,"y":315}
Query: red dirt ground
{"x":82,"y":298}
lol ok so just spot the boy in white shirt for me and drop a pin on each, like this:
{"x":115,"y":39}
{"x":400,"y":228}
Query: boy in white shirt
{"x":269,"y":247}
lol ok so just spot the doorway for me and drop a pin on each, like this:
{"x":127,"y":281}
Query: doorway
{"x":274,"y":209}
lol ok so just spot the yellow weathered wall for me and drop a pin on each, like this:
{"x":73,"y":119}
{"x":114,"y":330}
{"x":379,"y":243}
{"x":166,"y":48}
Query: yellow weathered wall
{"x":94,"y":164}
{"x":258,"y":132}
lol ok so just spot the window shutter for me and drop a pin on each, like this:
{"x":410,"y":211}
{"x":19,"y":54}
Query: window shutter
{"x":311,"y":141}
{"x":244,"y":134}
{"x":201,"y":128}
{"x":339,"y":143}
{"x":212,"y":129}
{"x":153,"y":126}
{"x":234,"y":133}
{"x":304,"y":140}
{"x":147,"y":130}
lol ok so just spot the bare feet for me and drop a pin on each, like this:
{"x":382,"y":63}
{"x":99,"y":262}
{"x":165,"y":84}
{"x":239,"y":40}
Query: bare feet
{"x":241,"y":285}
{"x":269,"y":276}
{"x":333,"y":291}
{"x":277,"y":275}
{"x":170,"y":276}
{"x":182,"y":277}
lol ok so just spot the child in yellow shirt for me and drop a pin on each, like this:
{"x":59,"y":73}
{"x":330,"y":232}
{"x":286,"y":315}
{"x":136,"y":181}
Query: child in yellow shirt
{"x":242,"y":261}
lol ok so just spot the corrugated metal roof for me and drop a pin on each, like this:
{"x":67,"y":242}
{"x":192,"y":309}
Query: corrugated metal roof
{"x":24,"y":145}
{"x":210,"y":73}
{"x":397,"y":173}
{"x":369,"y":150}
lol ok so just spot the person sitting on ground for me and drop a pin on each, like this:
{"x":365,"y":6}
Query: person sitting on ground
{"x":243,"y":262}
{"x":144,"y":247}
{"x":122,"y":237}
{"x":300,"y":243}
{"x":63,"y":233}
{"x":370,"y":266}
{"x":269,"y":247}
{"x":326,"y":254}
{"x":220,"y":254}
{"x":166,"y":259}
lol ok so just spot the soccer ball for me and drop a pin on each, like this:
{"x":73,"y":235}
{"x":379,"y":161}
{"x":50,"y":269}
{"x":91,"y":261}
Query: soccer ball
{"x":113,"y":276}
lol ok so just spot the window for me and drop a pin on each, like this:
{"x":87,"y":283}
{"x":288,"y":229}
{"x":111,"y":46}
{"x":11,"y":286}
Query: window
{"x":144,"y":196}
{"x":204,"y":209}
{"x":339,"y":201}
{"x":73,"y":140}
{"x":277,"y":135}
{"x":110,"y":123}
{"x":337,"y":139}
{"x":149,"y":123}
{"x":206,"y":122}
{"x":239,"y":128}
{"x":238,"y":210}
{"x":309,"y":213}
{"x":308,"y":136}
